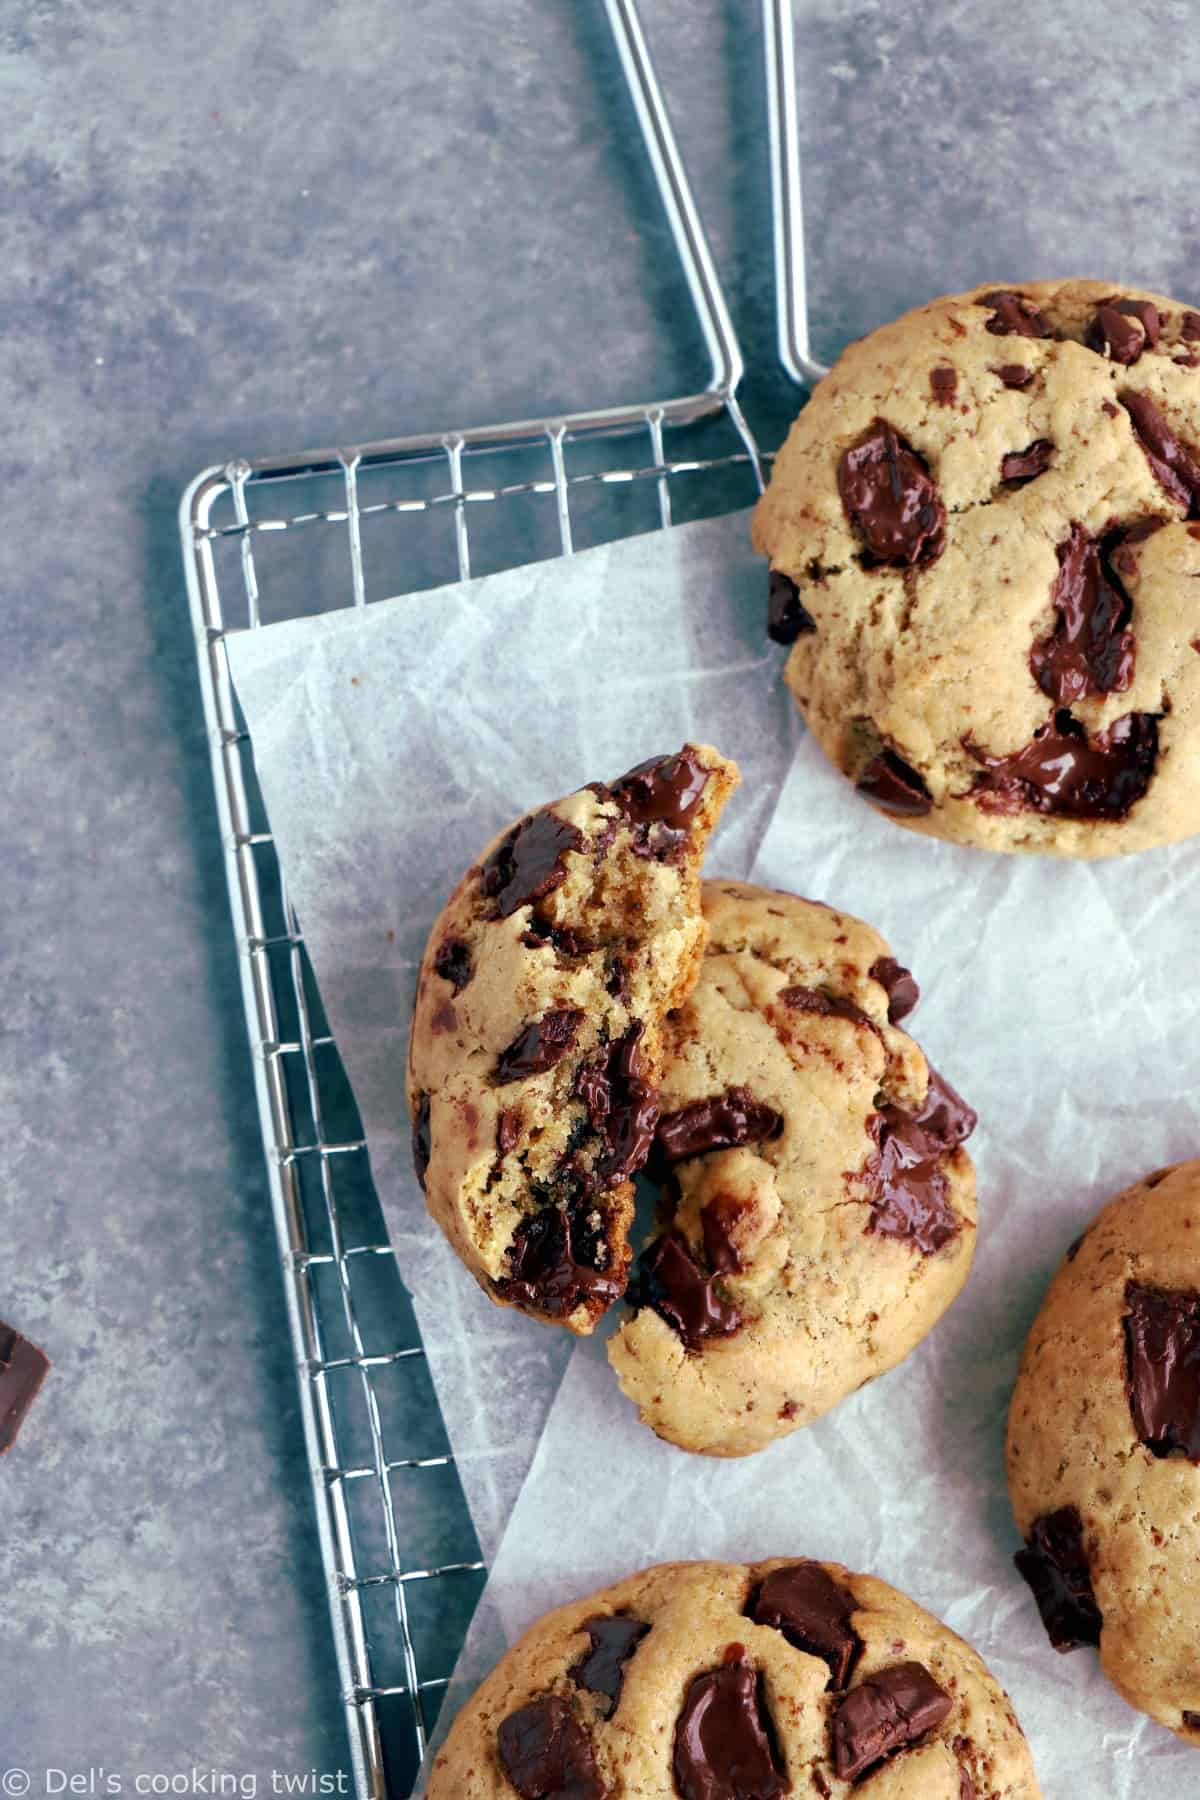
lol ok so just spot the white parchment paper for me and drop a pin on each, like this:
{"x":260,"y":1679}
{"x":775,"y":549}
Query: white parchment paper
{"x":391,"y":744}
{"x":1061,"y":999}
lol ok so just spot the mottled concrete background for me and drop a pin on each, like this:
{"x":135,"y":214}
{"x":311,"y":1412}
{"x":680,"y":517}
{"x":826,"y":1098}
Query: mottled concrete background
{"x":244,"y":229}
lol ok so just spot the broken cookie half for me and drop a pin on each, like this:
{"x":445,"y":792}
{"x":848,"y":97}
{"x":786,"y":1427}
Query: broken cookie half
{"x":536,"y":1044}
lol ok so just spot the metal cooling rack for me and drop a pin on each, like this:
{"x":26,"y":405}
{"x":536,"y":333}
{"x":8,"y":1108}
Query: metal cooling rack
{"x":286,"y":537}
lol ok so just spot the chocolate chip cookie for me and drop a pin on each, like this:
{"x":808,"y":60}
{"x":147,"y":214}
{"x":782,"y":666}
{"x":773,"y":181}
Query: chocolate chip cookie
{"x":1104,"y":1447}
{"x":735,"y":1681}
{"x":984,"y":557}
{"x":818,"y":1209}
{"x":534,"y":1052}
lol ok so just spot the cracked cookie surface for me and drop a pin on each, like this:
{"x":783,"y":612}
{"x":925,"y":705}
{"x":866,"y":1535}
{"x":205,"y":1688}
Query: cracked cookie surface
{"x":818,"y":1209}
{"x":738,"y":1681}
{"x":535,"y":1044}
{"x":984,"y":554}
{"x":1104,"y":1447}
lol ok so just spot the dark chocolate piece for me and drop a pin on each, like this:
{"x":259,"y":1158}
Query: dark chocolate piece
{"x":563,"y":938}
{"x":891,"y":499}
{"x":813,"y":1613}
{"x":602,"y":1670}
{"x":1055,"y":1565}
{"x":943,"y":385}
{"x":23,"y":1368}
{"x":453,"y":963}
{"x":1021,"y":466}
{"x":622,"y":1107}
{"x":1162,"y":1349}
{"x":539,"y":1046}
{"x":816,"y":1000}
{"x":787,"y":617}
{"x":508,"y":1130}
{"x":528,"y":864}
{"x":546,"y":1753}
{"x":1091,"y":649}
{"x":717,"y":1219}
{"x":552,"y":1264}
{"x":422,"y":1143}
{"x":1063,"y":771}
{"x":911,"y":1197}
{"x":886,"y":1712}
{"x":721,"y":1123}
{"x":669,"y":1281}
{"x":1122,"y":329}
{"x":966,"y":1783}
{"x":1015,"y":316}
{"x":1014,"y":375}
{"x":1174,"y":468}
{"x":1192,"y":1719}
{"x":895,"y":786}
{"x":899,"y":985}
{"x":1189,"y":326}
{"x":659,"y":799}
{"x":724,"y":1748}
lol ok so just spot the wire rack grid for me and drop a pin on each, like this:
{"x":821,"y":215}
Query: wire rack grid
{"x":291,"y":536}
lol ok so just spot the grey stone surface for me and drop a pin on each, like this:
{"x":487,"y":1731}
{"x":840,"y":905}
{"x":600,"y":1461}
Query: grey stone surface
{"x":242,"y":230}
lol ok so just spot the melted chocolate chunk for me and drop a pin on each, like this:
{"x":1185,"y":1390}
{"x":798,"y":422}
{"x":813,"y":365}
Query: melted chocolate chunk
{"x":422,"y":1146}
{"x":943,"y":385}
{"x":787,"y":617}
{"x":1021,"y":466}
{"x":508,"y":1130}
{"x":717,"y":1219}
{"x":1189,"y":326}
{"x":1162,"y":1349}
{"x":886,"y":1712}
{"x":528,"y":864}
{"x":1192,"y":1719}
{"x":453,"y":963}
{"x":659,"y":799}
{"x":816,"y":1000}
{"x":1173,"y":466}
{"x":543,"y":1042}
{"x":562,"y":938}
{"x":1063,"y":771}
{"x":1015,"y":316}
{"x":899,"y":986}
{"x":547,"y":1266}
{"x":669,"y":1281}
{"x":813,"y":1613}
{"x":1055,"y":1565}
{"x":622,"y":1107}
{"x":724,"y":1748}
{"x":546,"y":1753}
{"x":602,"y":1670}
{"x":911,"y":1196}
{"x":1092,"y":649}
{"x":23,"y":1368}
{"x":722,"y":1123}
{"x":1014,"y":375}
{"x":890,"y":498}
{"x":1122,"y":329}
{"x":895,"y":786}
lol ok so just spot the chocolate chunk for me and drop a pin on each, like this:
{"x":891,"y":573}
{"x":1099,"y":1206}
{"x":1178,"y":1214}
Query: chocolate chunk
{"x":23,"y":1368}
{"x":422,"y":1143}
{"x":602,"y":1670}
{"x":453,"y":963}
{"x":886,"y":1712}
{"x":539,"y":1046}
{"x":622,"y":1107}
{"x":911,"y":1194}
{"x":822,"y":1786}
{"x":966,"y":1783}
{"x":1122,"y":329}
{"x":891,"y":499}
{"x":1055,"y":1565}
{"x":1091,"y":649}
{"x":1015,"y":316}
{"x":816,"y":1000}
{"x":1162,"y":1348}
{"x":528,"y":864}
{"x":1014,"y":375}
{"x":1021,"y":466}
{"x":1189,"y":326}
{"x":563,"y":938}
{"x":813,"y":1613}
{"x":722,"y":1123}
{"x":1063,"y":771}
{"x":547,"y":1755}
{"x":552,"y":1265}
{"x":787,"y":617}
{"x":508,"y":1130}
{"x":617,"y":984}
{"x":943,"y":385}
{"x":895,"y":786}
{"x":669,"y":1281}
{"x":1173,"y":466}
{"x":717,"y":1219}
{"x":899,"y":985}
{"x":1192,"y":1719}
{"x":659,"y":799}
{"x":724,"y":1747}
